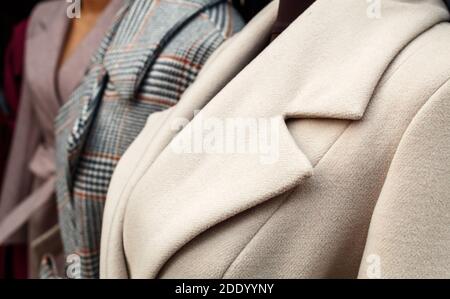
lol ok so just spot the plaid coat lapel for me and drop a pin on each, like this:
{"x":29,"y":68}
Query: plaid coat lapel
{"x":79,"y":111}
{"x":126,"y":55}
{"x":90,"y":98}
{"x":136,"y":48}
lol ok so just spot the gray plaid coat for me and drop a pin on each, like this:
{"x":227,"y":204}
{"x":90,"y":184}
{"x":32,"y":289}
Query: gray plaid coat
{"x":153,"y":52}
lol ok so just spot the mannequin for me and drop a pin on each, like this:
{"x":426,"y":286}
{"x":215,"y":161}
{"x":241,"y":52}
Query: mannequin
{"x":79,"y":28}
{"x":288,"y":11}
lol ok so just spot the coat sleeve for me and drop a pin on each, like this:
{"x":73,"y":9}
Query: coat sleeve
{"x":18,"y":178}
{"x":409,"y":234}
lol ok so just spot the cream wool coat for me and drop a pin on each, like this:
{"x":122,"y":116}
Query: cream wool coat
{"x":361,"y":186}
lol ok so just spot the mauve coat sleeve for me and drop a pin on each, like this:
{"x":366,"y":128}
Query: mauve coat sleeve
{"x":25,"y":142}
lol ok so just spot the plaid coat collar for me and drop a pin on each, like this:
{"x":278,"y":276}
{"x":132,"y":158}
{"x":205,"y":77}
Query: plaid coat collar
{"x":141,"y":46}
{"x":144,"y":44}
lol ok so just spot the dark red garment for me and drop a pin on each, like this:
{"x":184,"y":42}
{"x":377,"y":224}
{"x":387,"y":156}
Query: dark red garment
{"x":13,"y":71}
{"x":13,"y":259}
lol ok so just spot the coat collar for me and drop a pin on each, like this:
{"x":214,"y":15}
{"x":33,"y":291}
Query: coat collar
{"x":337,"y":53}
{"x":327,"y":64}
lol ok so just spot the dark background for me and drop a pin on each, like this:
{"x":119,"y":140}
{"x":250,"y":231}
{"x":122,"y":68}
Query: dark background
{"x":12,"y":12}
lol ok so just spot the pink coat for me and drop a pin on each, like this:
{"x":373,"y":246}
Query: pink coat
{"x":28,"y":189}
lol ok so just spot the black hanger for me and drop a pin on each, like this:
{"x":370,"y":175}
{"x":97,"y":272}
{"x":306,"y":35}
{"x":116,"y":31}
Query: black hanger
{"x":250,"y":8}
{"x":289,"y":11}
{"x":447,"y":2}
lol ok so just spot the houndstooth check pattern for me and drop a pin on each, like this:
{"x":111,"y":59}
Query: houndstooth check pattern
{"x":154,"y":51}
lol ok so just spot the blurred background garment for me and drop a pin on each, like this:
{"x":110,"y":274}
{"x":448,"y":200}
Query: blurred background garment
{"x":11,"y":15}
{"x":29,"y":179}
{"x":13,"y":73}
{"x":14,"y":257}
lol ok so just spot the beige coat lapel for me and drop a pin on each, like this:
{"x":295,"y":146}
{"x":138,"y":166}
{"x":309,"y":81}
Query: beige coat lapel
{"x":325,"y":66}
{"x":225,"y":63}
